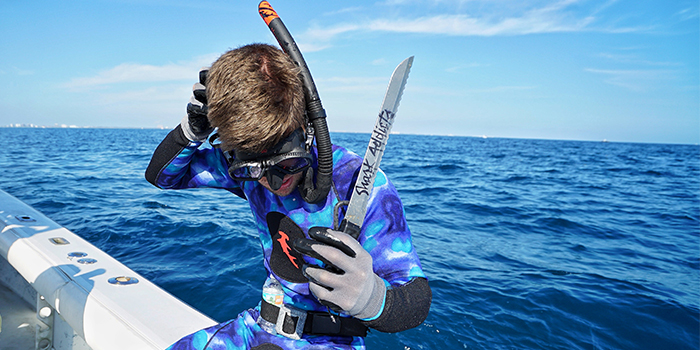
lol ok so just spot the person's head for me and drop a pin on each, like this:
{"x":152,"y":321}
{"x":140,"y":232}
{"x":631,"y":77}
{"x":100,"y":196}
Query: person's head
{"x":255,"y":97}
{"x":256,"y":100}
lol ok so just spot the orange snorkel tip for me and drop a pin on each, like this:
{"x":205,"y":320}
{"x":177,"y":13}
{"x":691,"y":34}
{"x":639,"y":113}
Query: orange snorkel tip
{"x":267,"y":12}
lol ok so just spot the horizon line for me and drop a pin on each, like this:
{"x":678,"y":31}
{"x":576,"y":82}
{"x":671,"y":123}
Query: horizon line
{"x":65,"y":126}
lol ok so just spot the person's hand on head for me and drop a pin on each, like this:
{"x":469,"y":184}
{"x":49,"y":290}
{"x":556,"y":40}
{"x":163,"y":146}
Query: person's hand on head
{"x":195,"y":124}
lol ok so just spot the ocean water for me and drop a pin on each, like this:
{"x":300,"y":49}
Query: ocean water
{"x":528,"y":244}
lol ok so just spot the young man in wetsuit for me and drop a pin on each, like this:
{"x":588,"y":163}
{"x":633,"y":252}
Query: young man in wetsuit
{"x":334,"y":287}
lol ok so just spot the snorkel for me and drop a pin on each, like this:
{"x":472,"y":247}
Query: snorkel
{"x":315,"y":114}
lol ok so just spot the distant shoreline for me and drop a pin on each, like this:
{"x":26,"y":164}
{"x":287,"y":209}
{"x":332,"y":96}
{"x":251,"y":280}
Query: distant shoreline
{"x":65,"y":126}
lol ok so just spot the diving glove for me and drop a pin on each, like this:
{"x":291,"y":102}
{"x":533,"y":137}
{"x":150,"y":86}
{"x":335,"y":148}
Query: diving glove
{"x":347,"y":283}
{"x":195,"y":124}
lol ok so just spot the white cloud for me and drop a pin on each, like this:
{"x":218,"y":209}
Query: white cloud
{"x":546,"y":19}
{"x":497,"y":89}
{"x":484,"y":18}
{"x":171,"y":93}
{"x":688,"y":14}
{"x":634,"y":59}
{"x":131,"y":91}
{"x":312,"y":47}
{"x":134,"y":72}
{"x":20,"y":71}
{"x":639,"y":80}
{"x":465,"y":66}
{"x":460,"y":25}
{"x":344,"y":10}
{"x":317,"y":38}
{"x":354,"y":80}
{"x":325,"y":34}
{"x":361,"y":84}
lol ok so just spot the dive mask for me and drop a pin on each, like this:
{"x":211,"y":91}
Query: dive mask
{"x":289,"y":156}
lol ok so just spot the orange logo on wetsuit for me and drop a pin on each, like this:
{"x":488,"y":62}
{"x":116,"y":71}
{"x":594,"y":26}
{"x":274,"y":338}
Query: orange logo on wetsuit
{"x":284,"y":261}
{"x":284,"y":240}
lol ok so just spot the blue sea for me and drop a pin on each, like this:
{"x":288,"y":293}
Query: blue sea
{"x":527,"y":244}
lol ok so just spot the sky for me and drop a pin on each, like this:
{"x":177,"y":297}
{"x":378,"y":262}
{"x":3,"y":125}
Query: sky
{"x":617,"y":70}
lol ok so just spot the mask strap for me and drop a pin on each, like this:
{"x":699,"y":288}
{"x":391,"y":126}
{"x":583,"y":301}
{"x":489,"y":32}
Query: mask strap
{"x":214,"y":140}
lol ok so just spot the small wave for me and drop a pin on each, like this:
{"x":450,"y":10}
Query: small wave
{"x":691,"y":218}
{"x":443,"y":167}
{"x":516,"y":178}
{"x":618,"y":170}
{"x":559,"y":272}
{"x":558,"y":223}
{"x":155,"y":205}
{"x":693,"y":263}
{"x":579,"y":248}
{"x":51,"y":204}
{"x":430,"y":191}
{"x":487,"y":210}
{"x":512,"y":263}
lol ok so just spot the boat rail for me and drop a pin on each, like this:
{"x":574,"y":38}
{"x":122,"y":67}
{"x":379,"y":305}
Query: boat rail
{"x":85,"y":299}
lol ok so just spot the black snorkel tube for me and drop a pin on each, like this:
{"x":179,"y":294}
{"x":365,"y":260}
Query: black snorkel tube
{"x":312,"y":193}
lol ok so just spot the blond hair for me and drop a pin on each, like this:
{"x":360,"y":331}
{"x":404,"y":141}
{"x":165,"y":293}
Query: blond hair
{"x":255,"y":97}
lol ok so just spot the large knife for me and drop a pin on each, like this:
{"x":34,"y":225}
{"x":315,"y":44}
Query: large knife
{"x":352,"y":223}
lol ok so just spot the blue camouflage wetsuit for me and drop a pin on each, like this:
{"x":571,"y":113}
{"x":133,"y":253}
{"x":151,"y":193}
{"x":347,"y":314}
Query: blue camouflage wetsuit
{"x":179,"y":163}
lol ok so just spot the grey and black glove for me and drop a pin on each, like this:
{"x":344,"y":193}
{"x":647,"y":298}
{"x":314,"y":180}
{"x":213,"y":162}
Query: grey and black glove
{"x":347,"y":283}
{"x":195,"y":125}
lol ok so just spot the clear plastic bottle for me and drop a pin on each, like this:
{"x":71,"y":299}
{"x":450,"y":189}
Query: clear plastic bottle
{"x":271,"y":293}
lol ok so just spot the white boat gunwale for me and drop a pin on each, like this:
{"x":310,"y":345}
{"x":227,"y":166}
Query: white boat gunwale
{"x":107,"y":316}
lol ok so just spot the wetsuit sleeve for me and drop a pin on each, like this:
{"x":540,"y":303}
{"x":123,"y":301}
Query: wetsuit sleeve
{"x":166,"y":151}
{"x":179,"y":163}
{"x":405,"y":307}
